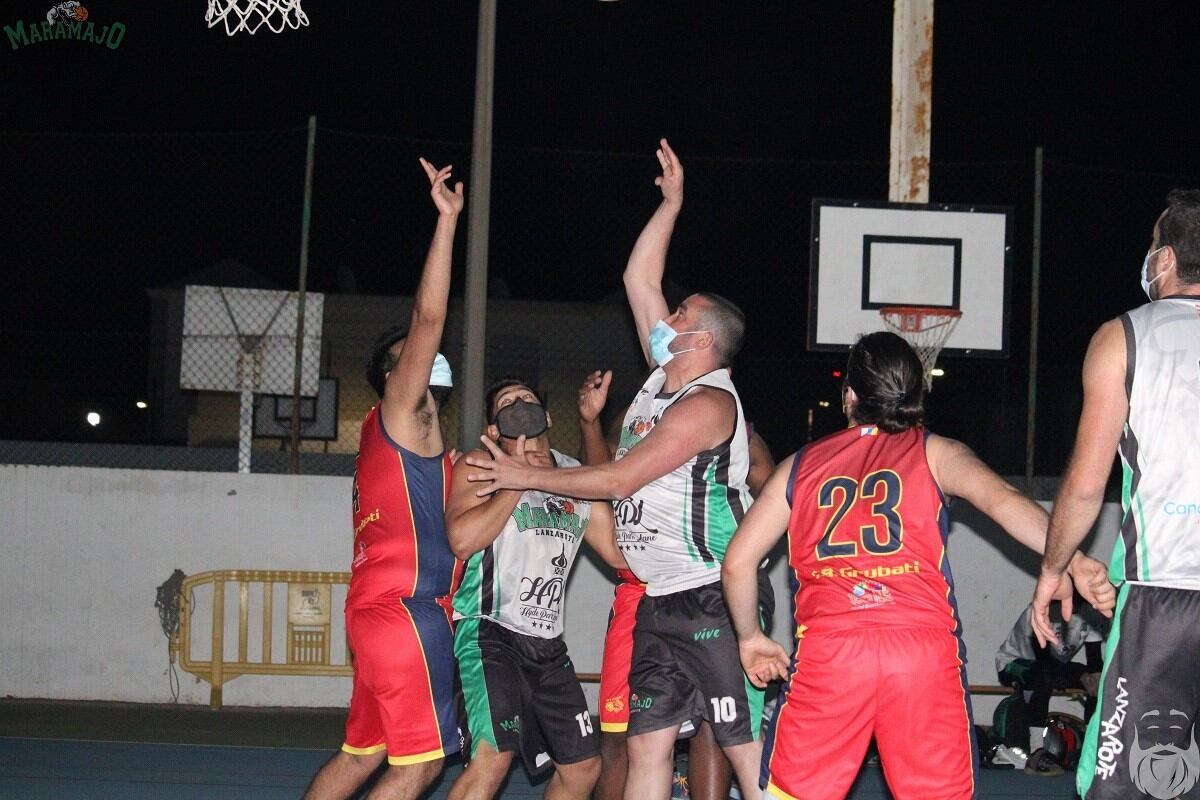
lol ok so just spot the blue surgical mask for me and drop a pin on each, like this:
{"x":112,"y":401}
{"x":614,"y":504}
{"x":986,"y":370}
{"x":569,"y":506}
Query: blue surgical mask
{"x":1146,"y":284}
{"x":441,"y":375}
{"x":661,"y":336}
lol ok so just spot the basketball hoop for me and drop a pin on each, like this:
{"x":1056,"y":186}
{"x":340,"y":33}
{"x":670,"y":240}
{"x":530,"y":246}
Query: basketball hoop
{"x":250,"y":15}
{"x":925,"y":329}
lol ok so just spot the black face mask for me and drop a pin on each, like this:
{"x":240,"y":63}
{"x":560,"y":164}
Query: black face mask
{"x":522,"y":419}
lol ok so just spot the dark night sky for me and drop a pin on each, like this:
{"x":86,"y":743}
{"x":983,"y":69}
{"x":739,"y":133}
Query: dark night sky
{"x":765,"y":80}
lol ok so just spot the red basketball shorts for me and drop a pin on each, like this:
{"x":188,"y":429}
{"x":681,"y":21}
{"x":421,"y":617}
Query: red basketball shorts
{"x":906,"y":687}
{"x":618,"y":654}
{"x":403,"y":696}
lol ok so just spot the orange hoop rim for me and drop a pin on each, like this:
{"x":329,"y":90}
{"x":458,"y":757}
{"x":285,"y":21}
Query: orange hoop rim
{"x":912,"y":319}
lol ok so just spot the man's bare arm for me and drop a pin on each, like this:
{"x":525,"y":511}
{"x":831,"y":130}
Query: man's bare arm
{"x":593,"y":394}
{"x":648,"y":260}
{"x":601,"y":535}
{"x":405,"y":393}
{"x":473,"y":522}
{"x":700,"y":421}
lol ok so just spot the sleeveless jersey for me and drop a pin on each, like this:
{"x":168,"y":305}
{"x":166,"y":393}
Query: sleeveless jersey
{"x":1160,"y":448}
{"x":674,"y":530}
{"x":867,"y":534}
{"x":518,"y":580}
{"x":399,"y":508}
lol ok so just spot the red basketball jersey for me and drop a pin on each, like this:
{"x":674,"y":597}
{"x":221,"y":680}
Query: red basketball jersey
{"x":867,"y":535}
{"x":399,"y":507}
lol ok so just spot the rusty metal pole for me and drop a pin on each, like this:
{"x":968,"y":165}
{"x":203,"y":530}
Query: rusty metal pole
{"x":912,"y":100}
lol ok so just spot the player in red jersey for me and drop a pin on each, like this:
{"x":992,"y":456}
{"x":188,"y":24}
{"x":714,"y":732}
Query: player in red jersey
{"x":879,"y":651}
{"x":403,"y":573}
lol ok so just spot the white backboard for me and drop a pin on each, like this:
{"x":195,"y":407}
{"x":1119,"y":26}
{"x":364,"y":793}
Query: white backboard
{"x":245,"y":339}
{"x":865,"y":256}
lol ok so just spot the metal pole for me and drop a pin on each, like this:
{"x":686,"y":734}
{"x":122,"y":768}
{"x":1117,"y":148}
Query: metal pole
{"x":475,"y":296}
{"x":305,"y":224}
{"x":1031,"y":419}
{"x":912,"y":101}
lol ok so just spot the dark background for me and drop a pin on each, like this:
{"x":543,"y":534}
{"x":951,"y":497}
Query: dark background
{"x":124,"y":171}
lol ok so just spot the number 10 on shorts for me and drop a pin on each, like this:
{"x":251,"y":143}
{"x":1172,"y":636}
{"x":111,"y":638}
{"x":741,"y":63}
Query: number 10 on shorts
{"x":585,"y":723}
{"x":724,"y":709}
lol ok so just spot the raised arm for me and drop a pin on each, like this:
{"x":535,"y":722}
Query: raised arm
{"x":593,"y":394}
{"x":601,"y":535}
{"x":406,"y":391}
{"x":698,"y":422}
{"x":473,"y":522}
{"x":763,"y":659}
{"x":1105,"y":409}
{"x":644,"y":271}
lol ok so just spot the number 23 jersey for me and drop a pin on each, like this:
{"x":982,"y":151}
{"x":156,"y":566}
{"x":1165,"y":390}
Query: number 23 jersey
{"x":867,"y":534}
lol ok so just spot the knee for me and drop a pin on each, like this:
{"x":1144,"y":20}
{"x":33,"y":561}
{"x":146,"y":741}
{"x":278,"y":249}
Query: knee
{"x":364,"y":763}
{"x":581,"y":776}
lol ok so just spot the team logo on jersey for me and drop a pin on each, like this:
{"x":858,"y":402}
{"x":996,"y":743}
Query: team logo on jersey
{"x":640,"y":703}
{"x":614,"y":705}
{"x":869,"y":594}
{"x":1168,"y":766}
{"x":360,"y":557}
{"x":555,"y":514}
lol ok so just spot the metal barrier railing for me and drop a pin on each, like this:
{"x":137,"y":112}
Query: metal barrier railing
{"x":308,"y":639}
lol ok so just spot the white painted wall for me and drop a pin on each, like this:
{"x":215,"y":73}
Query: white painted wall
{"x":85,"y":548}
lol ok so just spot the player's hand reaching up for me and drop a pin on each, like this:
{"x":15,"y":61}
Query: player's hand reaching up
{"x":763,"y":659}
{"x":593,"y":394}
{"x":671,"y":180}
{"x":448,"y":203}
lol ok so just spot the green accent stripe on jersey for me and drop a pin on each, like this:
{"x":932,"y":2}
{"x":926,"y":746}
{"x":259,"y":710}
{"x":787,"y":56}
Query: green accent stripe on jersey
{"x":1085,"y":772}
{"x":474,"y":684}
{"x":1143,"y":548}
{"x":685,"y":509}
{"x":721,"y":521}
{"x":466,"y":597}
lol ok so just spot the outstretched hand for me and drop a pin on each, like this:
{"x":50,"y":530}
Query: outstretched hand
{"x":448,"y":203}
{"x":593,"y":394}
{"x":1050,"y":587}
{"x":763,"y":659}
{"x":502,"y":471}
{"x":671,"y":180}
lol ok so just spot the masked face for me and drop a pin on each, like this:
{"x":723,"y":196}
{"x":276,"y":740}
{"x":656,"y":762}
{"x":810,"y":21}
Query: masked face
{"x":521,"y":418}
{"x":1147,"y":285}
{"x":661,"y":336}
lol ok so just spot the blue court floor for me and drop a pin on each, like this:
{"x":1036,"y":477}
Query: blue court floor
{"x":64,"y":769}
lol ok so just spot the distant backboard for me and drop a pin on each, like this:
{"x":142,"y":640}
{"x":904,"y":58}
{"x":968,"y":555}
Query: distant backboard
{"x":867,"y":256}
{"x":318,"y":415}
{"x":245,"y":339}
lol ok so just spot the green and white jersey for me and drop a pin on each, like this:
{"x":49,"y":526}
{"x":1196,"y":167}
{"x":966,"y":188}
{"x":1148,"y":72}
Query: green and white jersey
{"x":518,"y":580}
{"x":674,"y":530}
{"x":1160,"y":448}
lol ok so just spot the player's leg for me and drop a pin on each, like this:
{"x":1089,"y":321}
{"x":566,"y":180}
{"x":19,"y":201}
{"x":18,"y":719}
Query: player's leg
{"x":483,"y":774}
{"x":406,"y":782}
{"x":709,"y":772}
{"x":560,"y":718}
{"x":923,"y":687}
{"x":614,"y":690}
{"x":1142,"y":741}
{"x":494,"y":696}
{"x":342,"y":775}
{"x":651,"y":764}
{"x":823,"y":720}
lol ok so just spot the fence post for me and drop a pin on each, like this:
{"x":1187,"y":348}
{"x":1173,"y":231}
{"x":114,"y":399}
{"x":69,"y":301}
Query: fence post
{"x":305,"y":224}
{"x":1031,"y":419}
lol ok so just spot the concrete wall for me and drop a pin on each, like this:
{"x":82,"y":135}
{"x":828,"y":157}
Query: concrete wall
{"x":84,"y":550}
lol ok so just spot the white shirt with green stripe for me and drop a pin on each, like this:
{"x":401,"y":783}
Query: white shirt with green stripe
{"x":675,"y":529}
{"x":1159,"y":542}
{"x":519,"y":579}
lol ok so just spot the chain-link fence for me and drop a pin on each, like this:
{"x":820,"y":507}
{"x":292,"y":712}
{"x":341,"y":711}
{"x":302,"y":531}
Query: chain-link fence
{"x":95,"y":319}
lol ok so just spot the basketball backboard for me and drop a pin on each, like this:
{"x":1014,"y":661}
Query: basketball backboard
{"x":868,"y":255}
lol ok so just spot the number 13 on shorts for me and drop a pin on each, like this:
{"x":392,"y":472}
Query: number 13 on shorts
{"x":585,"y":722}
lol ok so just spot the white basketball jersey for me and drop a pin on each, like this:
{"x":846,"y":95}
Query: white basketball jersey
{"x":674,"y":530}
{"x":1160,"y":448}
{"x":518,"y":580}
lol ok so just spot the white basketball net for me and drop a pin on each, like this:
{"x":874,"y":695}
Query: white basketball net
{"x":250,"y":15}
{"x":925,"y":329}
